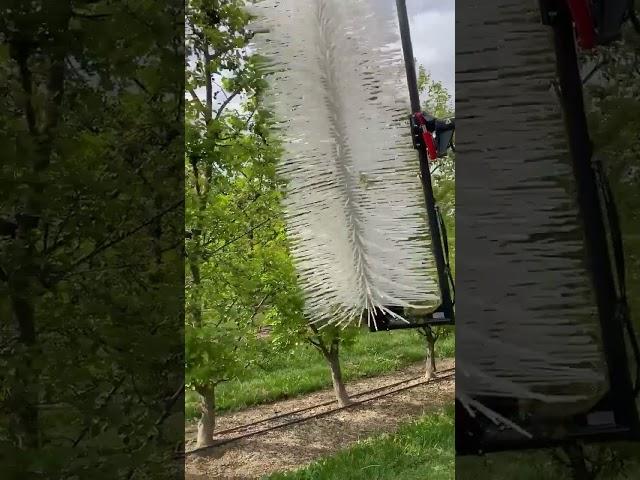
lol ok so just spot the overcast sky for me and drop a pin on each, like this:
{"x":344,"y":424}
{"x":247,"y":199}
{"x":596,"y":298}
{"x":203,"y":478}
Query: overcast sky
{"x":433,"y":35}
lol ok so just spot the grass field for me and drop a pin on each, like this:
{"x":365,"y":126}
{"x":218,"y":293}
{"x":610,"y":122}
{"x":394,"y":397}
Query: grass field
{"x":305,"y":371}
{"x":419,"y":451}
{"x":540,"y":464}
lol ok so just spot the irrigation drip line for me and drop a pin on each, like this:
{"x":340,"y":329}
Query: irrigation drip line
{"x":319,"y":415}
{"x":324,"y":404}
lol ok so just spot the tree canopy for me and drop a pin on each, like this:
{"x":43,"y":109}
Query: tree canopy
{"x":91,"y":216}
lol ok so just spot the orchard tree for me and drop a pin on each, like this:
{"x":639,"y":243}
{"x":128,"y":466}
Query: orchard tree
{"x":328,"y":343}
{"x":91,"y":233}
{"x":293,"y":331}
{"x":238,"y":271}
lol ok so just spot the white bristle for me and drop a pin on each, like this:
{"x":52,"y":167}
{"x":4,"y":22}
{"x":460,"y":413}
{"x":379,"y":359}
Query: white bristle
{"x":527,"y":326}
{"x":354,"y":204}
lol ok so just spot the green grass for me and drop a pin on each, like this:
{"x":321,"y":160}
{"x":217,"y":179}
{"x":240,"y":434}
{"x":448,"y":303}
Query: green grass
{"x":304,"y":370}
{"x":534,"y":465}
{"x":541,"y":465}
{"x":423,"y":450}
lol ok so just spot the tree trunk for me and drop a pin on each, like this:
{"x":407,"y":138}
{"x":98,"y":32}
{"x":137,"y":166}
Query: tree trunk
{"x":431,"y":360}
{"x":430,"y":364}
{"x":207,"y":422}
{"x":579,"y":468}
{"x":41,"y":118}
{"x":333,"y":358}
{"x":26,"y":391}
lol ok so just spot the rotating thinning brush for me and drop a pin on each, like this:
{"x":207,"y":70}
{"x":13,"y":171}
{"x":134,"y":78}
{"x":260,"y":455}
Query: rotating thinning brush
{"x":538,"y":342}
{"x":354,"y":205}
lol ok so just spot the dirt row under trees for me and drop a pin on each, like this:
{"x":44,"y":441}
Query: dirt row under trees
{"x":294,"y":446}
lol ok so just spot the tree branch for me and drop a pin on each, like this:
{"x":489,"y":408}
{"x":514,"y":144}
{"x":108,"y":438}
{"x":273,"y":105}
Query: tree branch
{"x":91,"y":16}
{"x":259,"y":306}
{"x":141,"y":85}
{"x":319,"y":344}
{"x":226,"y":102}
{"x":195,"y":98}
{"x":104,"y":404}
{"x":226,"y":244}
{"x":169,"y":406}
{"x":122,"y":237}
{"x":208,"y":113}
{"x":196,"y":179}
